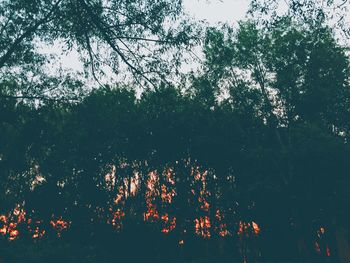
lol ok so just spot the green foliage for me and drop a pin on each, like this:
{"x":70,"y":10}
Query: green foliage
{"x":266,"y":116}
{"x":143,"y":37}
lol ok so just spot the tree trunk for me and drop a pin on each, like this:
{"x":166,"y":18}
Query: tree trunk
{"x":343,"y":244}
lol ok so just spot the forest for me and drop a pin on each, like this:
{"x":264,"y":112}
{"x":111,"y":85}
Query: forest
{"x":245,"y":159}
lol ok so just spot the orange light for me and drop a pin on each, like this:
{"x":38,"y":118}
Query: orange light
{"x":59,"y":225}
{"x":3,"y":219}
{"x":322,"y":230}
{"x":328,"y":251}
{"x":168,"y":227}
{"x":151,"y":214}
{"x":223,"y":230}
{"x":248,"y":228}
{"x":13,"y":234}
{"x":38,"y":233}
{"x":3,"y":230}
{"x":205,"y":206}
{"x":256,"y":228}
{"x":117,"y":219}
{"x":202,"y":226}
{"x":165,"y":218}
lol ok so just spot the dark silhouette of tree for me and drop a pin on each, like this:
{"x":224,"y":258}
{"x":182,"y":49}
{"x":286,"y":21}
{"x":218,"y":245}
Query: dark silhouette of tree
{"x":249,"y":161}
{"x":117,"y":35}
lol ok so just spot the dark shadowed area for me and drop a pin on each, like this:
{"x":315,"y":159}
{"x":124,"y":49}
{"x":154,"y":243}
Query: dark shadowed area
{"x":245,"y":159}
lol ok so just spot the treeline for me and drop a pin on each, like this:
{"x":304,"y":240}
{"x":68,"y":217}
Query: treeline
{"x":251,"y":158}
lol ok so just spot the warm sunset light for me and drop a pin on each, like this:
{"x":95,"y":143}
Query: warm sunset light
{"x":59,"y":225}
{"x":321,"y":244}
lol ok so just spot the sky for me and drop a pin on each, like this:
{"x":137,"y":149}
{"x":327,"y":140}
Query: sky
{"x":213,"y":11}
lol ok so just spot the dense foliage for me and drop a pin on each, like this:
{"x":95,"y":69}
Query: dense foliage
{"x":247,"y":161}
{"x":143,"y":37}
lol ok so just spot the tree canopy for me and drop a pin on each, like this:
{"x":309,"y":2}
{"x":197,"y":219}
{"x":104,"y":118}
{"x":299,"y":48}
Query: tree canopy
{"x":142,"y":37}
{"x":249,"y":155}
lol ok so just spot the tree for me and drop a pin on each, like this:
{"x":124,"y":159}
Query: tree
{"x":107,"y":34}
{"x":270,"y":74}
{"x":261,"y":134}
{"x":310,"y":13}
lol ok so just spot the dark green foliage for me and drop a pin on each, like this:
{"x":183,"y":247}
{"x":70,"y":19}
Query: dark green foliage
{"x":143,"y":37}
{"x":267,"y":117}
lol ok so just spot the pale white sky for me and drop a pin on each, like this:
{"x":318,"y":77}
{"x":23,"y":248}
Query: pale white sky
{"x":215,"y":11}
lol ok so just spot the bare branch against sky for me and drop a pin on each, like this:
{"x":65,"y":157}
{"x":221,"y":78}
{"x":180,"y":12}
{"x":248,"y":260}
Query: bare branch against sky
{"x":213,"y":11}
